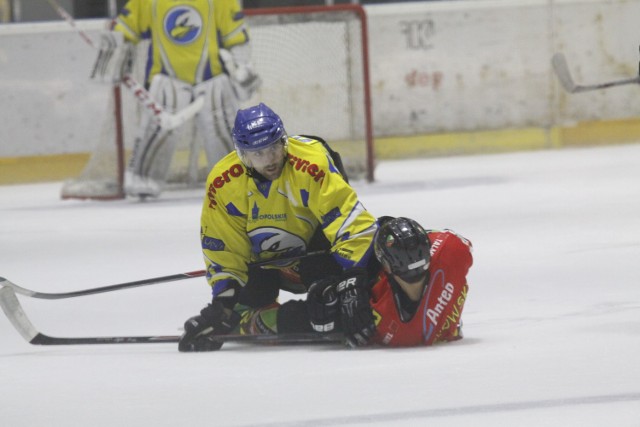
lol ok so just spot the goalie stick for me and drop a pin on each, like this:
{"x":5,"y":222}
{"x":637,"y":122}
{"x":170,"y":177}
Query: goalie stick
{"x":145,"y":282}
{"x":559,"y":63}
{"x":163,"y":118}
{"x":14,"y":312}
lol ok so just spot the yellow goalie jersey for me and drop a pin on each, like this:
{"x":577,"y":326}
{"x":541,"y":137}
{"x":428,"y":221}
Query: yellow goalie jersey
{"x":185,"y":35}
{"x":244,"y":221}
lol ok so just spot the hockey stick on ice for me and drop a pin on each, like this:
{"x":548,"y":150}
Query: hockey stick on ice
{"x":138,"y":283}
{"x":14,"y":312}
{"x":165,"y":119}
{"x":559,"y":63}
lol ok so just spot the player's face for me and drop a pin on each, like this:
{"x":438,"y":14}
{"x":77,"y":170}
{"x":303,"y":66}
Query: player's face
{"x":412,"y":289}
{"x":268,"y":162}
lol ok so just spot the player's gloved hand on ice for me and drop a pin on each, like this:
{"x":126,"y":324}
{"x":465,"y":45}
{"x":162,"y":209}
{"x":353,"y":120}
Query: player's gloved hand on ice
{"x":200,"y":331}
{"x":358,"y":322}
{"x":322,"y":305}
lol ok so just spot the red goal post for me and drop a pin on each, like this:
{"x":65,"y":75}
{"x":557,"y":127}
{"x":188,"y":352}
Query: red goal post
{"x":314,"y":64}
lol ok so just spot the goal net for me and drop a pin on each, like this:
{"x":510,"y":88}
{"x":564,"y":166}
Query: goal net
{"x":314,"y":65}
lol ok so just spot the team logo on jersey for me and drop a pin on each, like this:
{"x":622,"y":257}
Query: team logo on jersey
{"x":183,"y":24}
{"x":270,"y":242}
{"x":257,"y":216}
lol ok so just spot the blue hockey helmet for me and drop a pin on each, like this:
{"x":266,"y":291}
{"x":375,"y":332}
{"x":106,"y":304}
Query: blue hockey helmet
{"x":403,"y":248}
{"x":256,"y":128}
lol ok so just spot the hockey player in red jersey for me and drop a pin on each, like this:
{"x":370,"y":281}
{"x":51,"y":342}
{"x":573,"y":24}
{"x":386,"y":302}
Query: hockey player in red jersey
{"x":416,"y":299}
{"x":422,"y":288}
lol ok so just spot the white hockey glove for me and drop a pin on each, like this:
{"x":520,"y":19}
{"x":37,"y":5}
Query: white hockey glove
{"x":244,"y":79}
{"x":115,"y":58}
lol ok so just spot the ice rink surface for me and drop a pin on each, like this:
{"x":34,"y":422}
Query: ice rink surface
{"x":552,"y":322}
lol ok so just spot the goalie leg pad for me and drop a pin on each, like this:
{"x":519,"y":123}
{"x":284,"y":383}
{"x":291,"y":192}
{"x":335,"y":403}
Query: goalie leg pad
{"x":154,"y":146}
{"x":215,"y":120}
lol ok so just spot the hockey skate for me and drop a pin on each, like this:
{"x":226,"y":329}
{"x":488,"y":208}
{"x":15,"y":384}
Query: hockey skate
{"x":139,"y":186}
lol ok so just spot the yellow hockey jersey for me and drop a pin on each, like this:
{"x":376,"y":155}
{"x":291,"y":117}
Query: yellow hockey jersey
{"x":185,"y":35}
{"x":244,"y":221}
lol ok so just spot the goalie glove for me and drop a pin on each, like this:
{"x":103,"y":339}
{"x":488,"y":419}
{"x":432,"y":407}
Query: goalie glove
{"x":358,"y":322}
{"x":237,"y":61}
{"x":115,"y":58}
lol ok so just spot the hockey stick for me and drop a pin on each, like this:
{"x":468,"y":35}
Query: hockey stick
{"x":559,"y":63}
{"x":165,"y":119}
{"x":14,"y":312}
{"x":128,"y":285}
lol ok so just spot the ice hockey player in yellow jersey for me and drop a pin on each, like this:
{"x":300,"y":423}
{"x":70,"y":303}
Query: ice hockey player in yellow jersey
{"x":276,"y":197}
{"x":198,"y":48}
{"x":184,"y":35}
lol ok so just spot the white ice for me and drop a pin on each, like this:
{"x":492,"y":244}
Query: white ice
{"x":552,"y":323}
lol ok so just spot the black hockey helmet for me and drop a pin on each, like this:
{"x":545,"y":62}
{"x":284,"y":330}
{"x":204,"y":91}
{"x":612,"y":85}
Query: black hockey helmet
{"x":402,"y":246}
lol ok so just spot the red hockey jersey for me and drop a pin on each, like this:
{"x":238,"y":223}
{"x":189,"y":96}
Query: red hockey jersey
{"x":438,"y":314}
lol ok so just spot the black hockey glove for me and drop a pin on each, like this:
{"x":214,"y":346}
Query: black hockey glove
{"x":358,"y":322}
{"x":200,"y":331}
{"x":322,"y":305}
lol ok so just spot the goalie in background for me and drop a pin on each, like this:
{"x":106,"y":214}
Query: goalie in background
{"x":199,"y":48}
{"x":276,"y":197}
